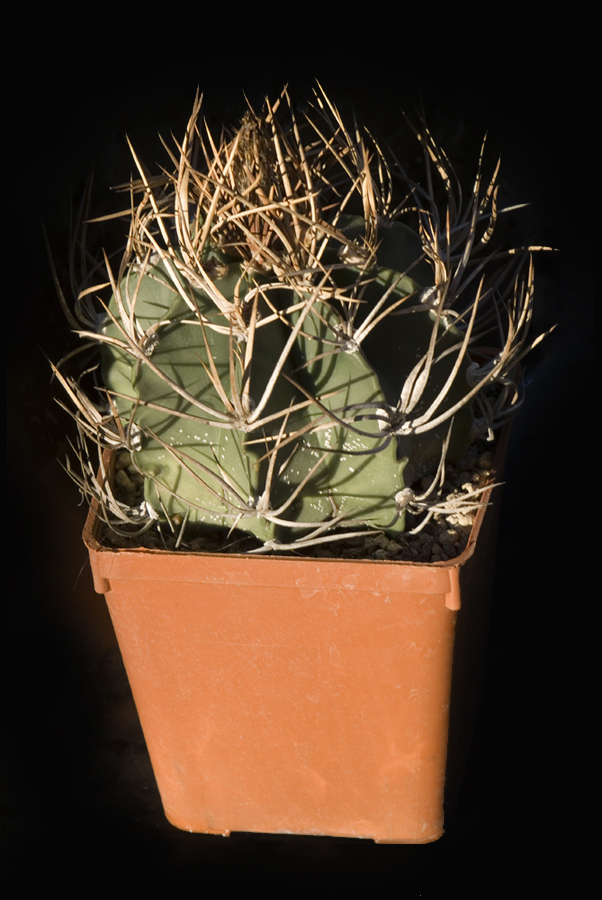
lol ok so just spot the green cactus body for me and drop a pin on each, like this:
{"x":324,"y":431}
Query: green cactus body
{"x":325,"y":411}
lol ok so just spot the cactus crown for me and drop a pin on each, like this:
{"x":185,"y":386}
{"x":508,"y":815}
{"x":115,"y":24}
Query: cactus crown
{"x":285,"y":347}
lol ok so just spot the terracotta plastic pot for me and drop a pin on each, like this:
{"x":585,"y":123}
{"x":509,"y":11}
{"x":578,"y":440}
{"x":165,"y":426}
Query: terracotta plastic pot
{"x":292,"y":695}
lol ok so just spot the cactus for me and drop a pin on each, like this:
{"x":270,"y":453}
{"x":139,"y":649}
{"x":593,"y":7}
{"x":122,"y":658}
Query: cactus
{"x":283,"y":351}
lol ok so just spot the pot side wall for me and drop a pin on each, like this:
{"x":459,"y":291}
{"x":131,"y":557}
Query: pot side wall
{"x":287,"y":709}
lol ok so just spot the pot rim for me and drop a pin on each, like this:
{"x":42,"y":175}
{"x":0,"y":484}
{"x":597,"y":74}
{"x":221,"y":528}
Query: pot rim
{"x":92,"y":539}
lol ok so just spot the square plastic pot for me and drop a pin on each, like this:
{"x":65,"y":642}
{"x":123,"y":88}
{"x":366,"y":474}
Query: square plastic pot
{"x":294,"y":695}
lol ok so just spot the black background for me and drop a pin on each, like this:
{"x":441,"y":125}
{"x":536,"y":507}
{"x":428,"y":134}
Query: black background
{"x":77,"y":793}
